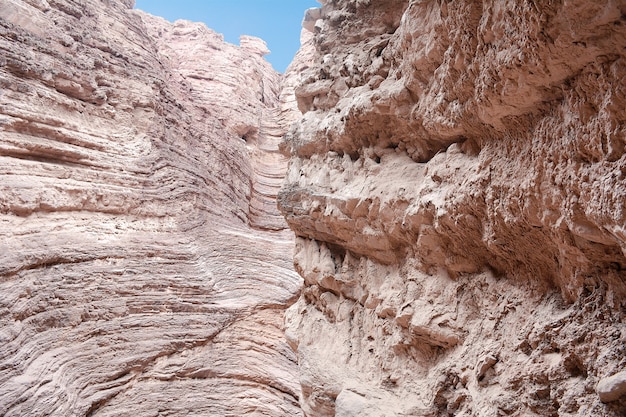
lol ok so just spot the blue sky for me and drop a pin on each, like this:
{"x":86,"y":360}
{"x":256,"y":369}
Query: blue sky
{"x":277,"y":22}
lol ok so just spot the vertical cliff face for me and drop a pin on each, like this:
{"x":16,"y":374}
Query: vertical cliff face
{"x":457,"y":186}
{"x":144,"y":266}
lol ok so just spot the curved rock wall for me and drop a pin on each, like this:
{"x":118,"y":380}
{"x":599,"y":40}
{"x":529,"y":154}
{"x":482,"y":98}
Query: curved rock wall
{"x":144,"y":267}
{"x":457,"y":186}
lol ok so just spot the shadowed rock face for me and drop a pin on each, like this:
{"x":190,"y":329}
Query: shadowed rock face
{"x":457,"y":186}
{"x":144,"y":267}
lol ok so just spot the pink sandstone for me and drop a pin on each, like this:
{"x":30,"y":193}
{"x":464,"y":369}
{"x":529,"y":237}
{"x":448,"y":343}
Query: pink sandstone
{"x":144,"y":266}
{"x":454,"y":173}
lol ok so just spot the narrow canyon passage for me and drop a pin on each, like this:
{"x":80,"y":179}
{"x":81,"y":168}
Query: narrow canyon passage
{"x":424,"y":216}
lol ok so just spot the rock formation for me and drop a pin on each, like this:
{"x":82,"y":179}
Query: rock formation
{"x":145,"y":268}
{"x":457,"y":186}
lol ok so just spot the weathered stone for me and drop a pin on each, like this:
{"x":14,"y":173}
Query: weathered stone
{"x":311,"y":16}
{"x":457,"y":184}
{"x":144,"y":267}
{"x":612,"y":388}
{"x":254,"y":45}
{"x":484,"y":364}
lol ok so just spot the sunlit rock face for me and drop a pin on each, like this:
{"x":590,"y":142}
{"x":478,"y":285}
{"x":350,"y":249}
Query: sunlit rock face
{"x":457,"y":186}
{"x":144,"y":267}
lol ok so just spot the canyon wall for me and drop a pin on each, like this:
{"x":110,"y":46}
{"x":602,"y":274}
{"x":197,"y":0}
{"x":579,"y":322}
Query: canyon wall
{"x":457,"y":188}
{"x":456,"y":184}
{"x":144,"y":266}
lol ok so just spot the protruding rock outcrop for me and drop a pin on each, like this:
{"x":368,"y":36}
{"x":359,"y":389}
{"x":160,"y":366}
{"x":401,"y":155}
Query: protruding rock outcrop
{"x":144,"y":267}
{"x":457,"y":186}
{"x":613,"y":387}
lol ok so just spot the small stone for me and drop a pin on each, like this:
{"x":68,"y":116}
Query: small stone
{"x":311,"y":16}
{"x":484,"y":365}
{"x":612,"y":388}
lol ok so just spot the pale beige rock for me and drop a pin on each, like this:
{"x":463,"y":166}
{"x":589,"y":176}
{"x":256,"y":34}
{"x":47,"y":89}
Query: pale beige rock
{"x":144,"y":267}
{"x":254,"y":45}
{"x":613,"y":387}
{"x":311,"y":17}
{"x":457,"y":186}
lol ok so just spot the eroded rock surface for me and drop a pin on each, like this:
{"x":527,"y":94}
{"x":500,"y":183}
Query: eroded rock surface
{"x":144,"y":267}
{"x":457,"y":186}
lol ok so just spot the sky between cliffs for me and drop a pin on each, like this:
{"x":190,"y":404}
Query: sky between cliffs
{"x":277,"y":22}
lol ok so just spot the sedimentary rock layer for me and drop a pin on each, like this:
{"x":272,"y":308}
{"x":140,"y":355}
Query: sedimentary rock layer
{"x":144,"y":267}
{"x":458,"y":189}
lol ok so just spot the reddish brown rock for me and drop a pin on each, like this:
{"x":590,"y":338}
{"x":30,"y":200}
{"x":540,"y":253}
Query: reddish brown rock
{"x":457,"y":186}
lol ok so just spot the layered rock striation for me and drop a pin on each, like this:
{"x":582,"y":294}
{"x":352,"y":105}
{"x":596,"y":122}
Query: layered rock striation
{"x":457,"y":186}
{"x":144,"y":267}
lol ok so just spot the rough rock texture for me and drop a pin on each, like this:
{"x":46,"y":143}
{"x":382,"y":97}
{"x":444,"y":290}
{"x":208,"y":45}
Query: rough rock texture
{"x":144,"y":267}
{"x":613,"y":387}
{"x":457,"y":186}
